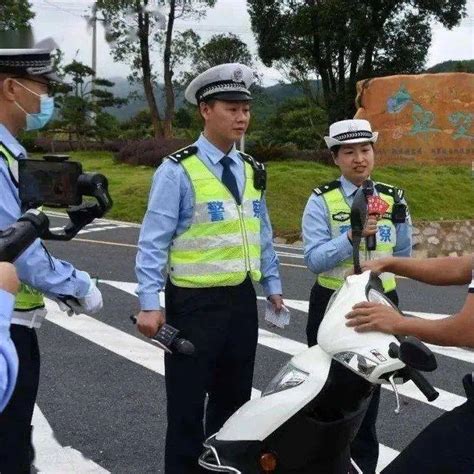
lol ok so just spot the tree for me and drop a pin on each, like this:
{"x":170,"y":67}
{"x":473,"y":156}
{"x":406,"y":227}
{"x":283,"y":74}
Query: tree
{"x":15,"y":15}
{"x":342,"y":41}
{"x":297,"y":121}
{"x":220,"y":49}
{"x":81,"y":105}
{"x":135,"y":27}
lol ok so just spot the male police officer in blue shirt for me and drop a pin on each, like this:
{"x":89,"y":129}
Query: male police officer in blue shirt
{"x":208,"y":225}
{"x":26,"y":77}
{"x":9,"y":285}
{"x":328,"y":246}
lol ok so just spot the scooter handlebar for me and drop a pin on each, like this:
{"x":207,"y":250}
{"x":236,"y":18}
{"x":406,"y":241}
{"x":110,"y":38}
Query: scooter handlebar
{"x":422,"y":383}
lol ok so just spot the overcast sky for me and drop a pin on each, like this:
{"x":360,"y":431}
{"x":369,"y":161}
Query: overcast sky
{"x":64,"y":21}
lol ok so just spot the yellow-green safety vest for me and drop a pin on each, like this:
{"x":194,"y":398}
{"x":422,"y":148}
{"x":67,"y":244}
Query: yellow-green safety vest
{"x":339,"y":223}
{"x":222,"y":245}
{"x":27,"y":299}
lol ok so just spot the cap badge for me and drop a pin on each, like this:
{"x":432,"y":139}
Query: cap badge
{"x":238,"y":75}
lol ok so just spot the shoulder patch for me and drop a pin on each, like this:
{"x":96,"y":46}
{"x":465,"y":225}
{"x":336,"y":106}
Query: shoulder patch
{"x":320,"y":190}
{"x":2,"y":145}
{"x":251,"y":161}
{"x":396,"y":193}
{"x":182,"y":154}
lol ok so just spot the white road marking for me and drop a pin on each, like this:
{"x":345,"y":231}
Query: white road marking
{"x":136,"y":350}
{"x":445,"y":401}
{"x":52,"y":458}
{"x":447,"y":351}
{"x":149,"y":356}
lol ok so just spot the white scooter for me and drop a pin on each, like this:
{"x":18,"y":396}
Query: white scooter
{"x":311,"y":411}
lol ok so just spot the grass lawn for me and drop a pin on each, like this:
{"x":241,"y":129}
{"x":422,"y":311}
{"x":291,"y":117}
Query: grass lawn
{"x":433,"y":192}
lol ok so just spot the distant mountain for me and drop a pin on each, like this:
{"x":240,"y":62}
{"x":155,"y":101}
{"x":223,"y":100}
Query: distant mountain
{"x":453,"y":66}
{"x":268,"y":97}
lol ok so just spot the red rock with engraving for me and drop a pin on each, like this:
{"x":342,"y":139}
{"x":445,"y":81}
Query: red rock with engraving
{"x":420,"y":118}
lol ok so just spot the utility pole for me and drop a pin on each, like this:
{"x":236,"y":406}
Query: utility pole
{"x":94,"y":39}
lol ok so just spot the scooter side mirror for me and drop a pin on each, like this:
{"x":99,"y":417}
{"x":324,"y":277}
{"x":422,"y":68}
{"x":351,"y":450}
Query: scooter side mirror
{"x":415,"y":354}
{"x":358,"y":213}
{"x":358,"y":218}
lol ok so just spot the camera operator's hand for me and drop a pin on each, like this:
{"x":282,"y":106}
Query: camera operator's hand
{"x":150,"y":322}
{"x":90,"y":304}
{"x":8,"y":278}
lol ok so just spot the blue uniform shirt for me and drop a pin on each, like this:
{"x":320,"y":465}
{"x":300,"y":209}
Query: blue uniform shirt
{"x":34,"y":266}
{"x":8,"y":355}
{"x":169,"y":214}
{"x":321,"y":251}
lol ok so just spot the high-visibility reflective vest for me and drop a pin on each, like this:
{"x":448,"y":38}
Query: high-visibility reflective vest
{"x":222,"y":245}
{"x":339,"y":223}
{"x":27,"y":299}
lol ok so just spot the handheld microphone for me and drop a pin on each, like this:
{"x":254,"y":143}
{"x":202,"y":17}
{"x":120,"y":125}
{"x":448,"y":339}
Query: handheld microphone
{"x":167,"y":338}
{"x":368,"y":188}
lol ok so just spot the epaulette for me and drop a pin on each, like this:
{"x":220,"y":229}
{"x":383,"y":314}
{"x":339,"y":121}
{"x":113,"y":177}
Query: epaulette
{"x":389,"y":190}
{"x":320,"y":190}
{"x":2,"y":145}
{"x":182,"y":154}
{"x":252,"y":161}
{"x":3,"y":157}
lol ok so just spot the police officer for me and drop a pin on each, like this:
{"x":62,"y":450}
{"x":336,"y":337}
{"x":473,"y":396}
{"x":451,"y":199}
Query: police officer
{"x":26,"y":77}
{"x":9,"y":285}
{"x":447,"y":444}
{"x":207,"y":224}
{"x":327,"y":239}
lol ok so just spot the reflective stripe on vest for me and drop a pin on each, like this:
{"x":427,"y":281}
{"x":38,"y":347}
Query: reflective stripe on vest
{"x":339,"y":223}
{"x":222,"y":245}
{"x":27,"y":299}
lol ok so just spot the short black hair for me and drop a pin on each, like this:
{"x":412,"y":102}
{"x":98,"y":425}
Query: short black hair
{"x":335,"y":149}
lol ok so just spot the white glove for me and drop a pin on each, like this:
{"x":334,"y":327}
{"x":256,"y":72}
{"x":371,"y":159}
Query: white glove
{"x":90,"y":304}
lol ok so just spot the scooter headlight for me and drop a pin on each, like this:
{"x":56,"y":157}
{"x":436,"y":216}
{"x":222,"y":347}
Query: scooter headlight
{"x":376,"y":297}
{"x":288,"y":377}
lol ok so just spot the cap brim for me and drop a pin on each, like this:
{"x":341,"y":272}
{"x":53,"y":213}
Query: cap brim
{"x":228,"y":97}
{"x":53,"y":77}
{"x":330,"y":142}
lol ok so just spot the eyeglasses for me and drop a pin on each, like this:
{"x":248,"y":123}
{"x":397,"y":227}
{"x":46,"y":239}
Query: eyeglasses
{"x":50,"y":87}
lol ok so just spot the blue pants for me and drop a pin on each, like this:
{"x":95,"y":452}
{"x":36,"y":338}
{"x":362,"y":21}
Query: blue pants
{"x":222,"y":323}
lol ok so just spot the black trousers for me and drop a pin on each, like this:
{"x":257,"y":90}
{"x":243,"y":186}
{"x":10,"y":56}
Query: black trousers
{"x":16,"y":450}
{"x":222,"y":323}
{"x":365,"y":447}
{"x":446,"y":446}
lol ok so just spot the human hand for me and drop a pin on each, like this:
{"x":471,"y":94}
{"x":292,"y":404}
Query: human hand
{"x":378,"y":266}
{"x":277,"y":302}
{"x":8,"y":278}
{"x":150,"y":322}
{"x":367,"y":316}
{"x":89,"y":304}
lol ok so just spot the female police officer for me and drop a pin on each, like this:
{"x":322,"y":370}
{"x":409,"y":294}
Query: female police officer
{"x":328,"y":248}
{"x":207,"y":224}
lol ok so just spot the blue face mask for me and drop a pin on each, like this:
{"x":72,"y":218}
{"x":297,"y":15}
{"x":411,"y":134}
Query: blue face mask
{"x":40,"y":119}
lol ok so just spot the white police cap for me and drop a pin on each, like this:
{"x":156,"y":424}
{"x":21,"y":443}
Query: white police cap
{"x":35,"y":61}
{"x":224,"y":82}
{"x":350,"y":131}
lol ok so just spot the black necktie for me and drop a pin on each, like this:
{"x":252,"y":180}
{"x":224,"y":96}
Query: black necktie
{"x":228,"y":178}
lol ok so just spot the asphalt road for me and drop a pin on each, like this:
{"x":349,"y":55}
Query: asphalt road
{"x":102,"y":390}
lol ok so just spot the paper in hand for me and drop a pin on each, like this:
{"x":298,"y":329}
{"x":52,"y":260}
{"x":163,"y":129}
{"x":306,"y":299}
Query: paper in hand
{"x":280,"y":319}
